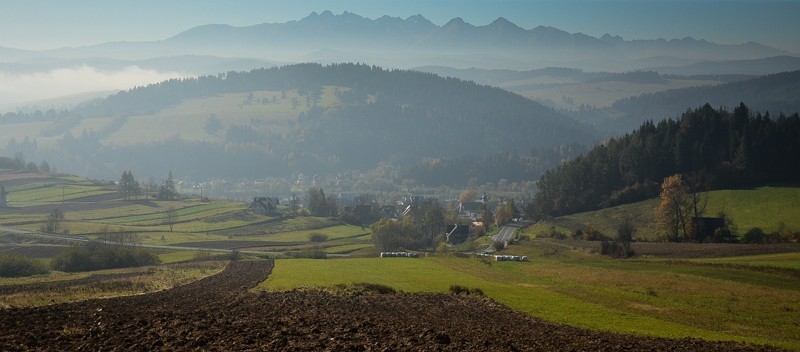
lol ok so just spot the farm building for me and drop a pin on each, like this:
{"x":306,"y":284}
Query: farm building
{"x":457,"y":233}
{"x":469,"y":209}
{"x":264,"y":205}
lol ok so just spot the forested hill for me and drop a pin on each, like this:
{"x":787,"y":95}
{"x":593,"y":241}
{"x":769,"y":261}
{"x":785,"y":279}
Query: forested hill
{"x":713,"y":148}
{"x":774,"y":93}
{"x":299,"y":118}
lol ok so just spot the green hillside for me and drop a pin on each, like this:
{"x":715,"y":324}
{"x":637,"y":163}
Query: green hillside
{"x":763,"y":207}
{"x":648,"y":297}
{"x":281,"y":121}
{"x":95,"y":210}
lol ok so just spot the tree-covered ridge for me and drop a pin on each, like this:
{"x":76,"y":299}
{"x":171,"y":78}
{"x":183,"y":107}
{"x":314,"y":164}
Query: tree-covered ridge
{"x":467,"y":171}
{"x":714,"y":147}
{"x":374,"y":115}
{"x":774,"y":92}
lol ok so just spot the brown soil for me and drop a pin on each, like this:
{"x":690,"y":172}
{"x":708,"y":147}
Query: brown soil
{"x":217,"y":313}
{"x":58,"y":285}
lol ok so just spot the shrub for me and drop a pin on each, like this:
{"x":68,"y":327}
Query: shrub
{"x":361,"y":288}
{"x":499,"y":245}
{"x":461,"y":290}
{"x":590,"y":234}
{"x":317,"y":237}
{"x":553,"y":233}
{"x":308,"y":254}
{"x":235,"y":255}
{"x":98,"y":257}
{"x":615,"y":249}
{"x":374,"y":288}
{"x":754,"y":235}
{"x":19,"y":266}
{"x":723,"y":235}
{"x":757,"y":235}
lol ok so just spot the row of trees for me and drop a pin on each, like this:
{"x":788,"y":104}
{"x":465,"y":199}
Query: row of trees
{"x":422,"y":228}
{"x":320,"y":205}
{"x":725,"y":149}
{"x":129,"y":188}
{"x":18,"y":163}
{"x":96,"y":256}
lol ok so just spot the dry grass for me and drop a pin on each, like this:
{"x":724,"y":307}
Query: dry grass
{"x":141,"y":280}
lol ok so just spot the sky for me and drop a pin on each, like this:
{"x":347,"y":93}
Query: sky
{"x":50,"y":24}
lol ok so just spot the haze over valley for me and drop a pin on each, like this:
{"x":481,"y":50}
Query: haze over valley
{"x":466,"y":175}
{"x":587,"y":80}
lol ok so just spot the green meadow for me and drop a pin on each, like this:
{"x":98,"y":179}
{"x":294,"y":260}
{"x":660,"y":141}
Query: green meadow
{"x":654,"y":298}
{"x":746,"y":298}
{"x":192,"y":221}
{"x":764,"y":207}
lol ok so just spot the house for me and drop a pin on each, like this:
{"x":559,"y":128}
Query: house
{"x":389,"y":211}
{"x":469,"y":209}
{"x":265,"y":205}
{"x":3,"y":197}
{"x":362,"y":213}
{"x":457,"y":233}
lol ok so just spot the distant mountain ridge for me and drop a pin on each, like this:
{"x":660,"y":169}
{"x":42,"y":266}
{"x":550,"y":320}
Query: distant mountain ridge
{"x":415,"y":41}
{"x":351,"y":31}
{"x":774,"y":93}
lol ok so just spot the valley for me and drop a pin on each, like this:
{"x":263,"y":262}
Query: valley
{"x":494,"y":176}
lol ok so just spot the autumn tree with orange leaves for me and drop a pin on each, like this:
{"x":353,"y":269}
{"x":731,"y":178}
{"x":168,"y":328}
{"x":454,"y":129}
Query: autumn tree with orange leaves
{"x":674,"y":214}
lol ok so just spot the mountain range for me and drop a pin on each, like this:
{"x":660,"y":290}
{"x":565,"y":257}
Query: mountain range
{"x":414,"y":41}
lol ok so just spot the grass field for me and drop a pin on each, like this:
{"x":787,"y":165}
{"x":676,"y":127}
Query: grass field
{"x":764,"y":207}
{"x":194,"y":221}
{"x":272,"y":111}
{"x":746,"y":298}
{"x":651,"y":297}
{"x":781,"y":260}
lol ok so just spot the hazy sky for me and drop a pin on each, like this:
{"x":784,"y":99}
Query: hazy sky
{"x":47,"y":24}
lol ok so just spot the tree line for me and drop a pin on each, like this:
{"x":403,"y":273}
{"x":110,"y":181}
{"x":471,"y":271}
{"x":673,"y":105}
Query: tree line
{"x":715,"y":148}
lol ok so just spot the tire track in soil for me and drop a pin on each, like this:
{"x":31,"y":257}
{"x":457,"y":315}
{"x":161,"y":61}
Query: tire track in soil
{"x":218,"y":313}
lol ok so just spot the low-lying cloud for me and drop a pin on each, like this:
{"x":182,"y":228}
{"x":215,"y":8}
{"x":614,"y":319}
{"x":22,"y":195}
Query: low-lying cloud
{"x":25,"y":88}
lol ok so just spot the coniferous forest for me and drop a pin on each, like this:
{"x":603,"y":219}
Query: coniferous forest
{"x":714,"y":148}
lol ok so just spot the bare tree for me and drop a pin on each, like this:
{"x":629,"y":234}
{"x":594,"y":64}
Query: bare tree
{"x":54,"y":222}
{"x":170,"y":216}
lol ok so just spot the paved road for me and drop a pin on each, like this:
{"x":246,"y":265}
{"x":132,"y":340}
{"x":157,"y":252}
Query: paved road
{"x":505,"y":235}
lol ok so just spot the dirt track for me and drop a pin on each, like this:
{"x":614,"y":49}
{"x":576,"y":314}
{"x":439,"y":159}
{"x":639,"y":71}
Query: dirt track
{"x":217,"y":313}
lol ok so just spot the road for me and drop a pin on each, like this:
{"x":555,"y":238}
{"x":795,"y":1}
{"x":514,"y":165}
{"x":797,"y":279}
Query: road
{"x":505,"y":235}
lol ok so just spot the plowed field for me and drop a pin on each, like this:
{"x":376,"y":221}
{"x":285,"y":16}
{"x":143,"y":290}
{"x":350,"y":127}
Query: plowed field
{"x":218,"y":313}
